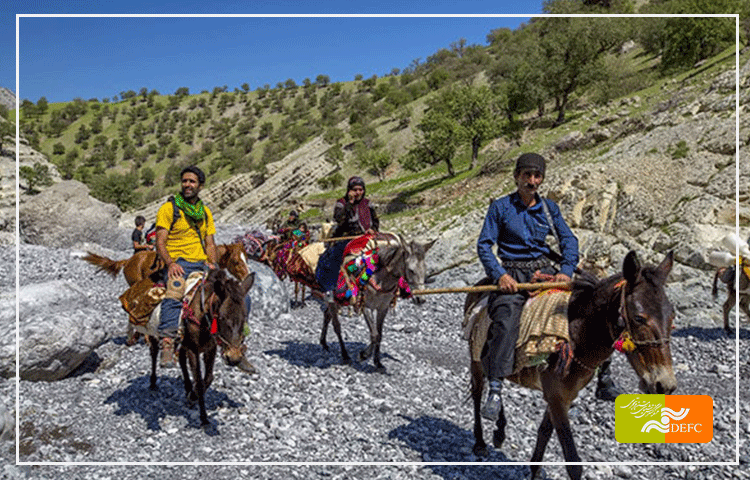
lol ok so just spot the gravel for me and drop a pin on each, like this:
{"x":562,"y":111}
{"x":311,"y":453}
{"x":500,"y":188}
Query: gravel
{"x":306,"y":407}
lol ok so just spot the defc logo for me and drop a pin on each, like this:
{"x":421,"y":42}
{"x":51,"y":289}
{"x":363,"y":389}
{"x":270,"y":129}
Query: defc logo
{"x":664,"y":419}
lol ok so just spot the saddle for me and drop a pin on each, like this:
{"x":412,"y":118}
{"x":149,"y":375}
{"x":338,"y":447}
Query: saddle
{"x":142,"y":300}
{"x":543,"y":326}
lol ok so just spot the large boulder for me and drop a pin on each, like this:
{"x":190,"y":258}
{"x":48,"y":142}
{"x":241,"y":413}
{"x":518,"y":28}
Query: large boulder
{"x":268,"y":294}
{"x":8,"y":334}
{"x":65,"y":215}
{"x":58,"y":329}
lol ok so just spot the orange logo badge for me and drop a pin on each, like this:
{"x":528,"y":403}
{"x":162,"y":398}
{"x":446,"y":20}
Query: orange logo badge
{"x":664,"y":418}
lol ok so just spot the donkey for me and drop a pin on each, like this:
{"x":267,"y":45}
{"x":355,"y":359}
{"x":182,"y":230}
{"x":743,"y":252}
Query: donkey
{"x":397,"y":258}
{"x":732,"y":294}
{"x":599,"y":313}
{"x":216,"y":317}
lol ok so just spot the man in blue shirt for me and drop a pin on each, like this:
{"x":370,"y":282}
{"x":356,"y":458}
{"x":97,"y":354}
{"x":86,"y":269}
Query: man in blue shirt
{"x":518,"y":224}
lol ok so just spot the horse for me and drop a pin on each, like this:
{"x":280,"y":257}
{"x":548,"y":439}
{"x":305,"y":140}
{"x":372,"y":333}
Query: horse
{"x":397,"y":258}
{"x":216,"y":317}
{"x":148,"y":264}
{"x":145,"y":264}
{"x":731,"y":294}
{"x":599,"y":313}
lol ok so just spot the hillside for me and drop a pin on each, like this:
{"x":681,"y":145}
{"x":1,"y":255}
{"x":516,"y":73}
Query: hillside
{"x":651,"y":168}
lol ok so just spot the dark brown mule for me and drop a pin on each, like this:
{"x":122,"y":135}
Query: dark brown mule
{"x":217,"y":318}
{"x":397,"y":258}
{"x":732,"y":295}
{"x":599,"y":312}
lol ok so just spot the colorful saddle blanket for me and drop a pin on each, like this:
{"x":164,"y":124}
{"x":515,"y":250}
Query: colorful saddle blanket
{"x":360,"y":263}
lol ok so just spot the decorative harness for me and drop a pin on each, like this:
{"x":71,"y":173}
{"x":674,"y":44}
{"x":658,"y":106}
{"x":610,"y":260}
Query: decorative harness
{"x":625,"y":343}
{"x":209,"y":314}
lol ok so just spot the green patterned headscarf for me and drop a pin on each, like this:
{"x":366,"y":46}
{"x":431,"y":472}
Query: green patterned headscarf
{"x":195,"y":211}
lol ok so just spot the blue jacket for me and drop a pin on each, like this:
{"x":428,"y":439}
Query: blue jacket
{"x":520,"y":233}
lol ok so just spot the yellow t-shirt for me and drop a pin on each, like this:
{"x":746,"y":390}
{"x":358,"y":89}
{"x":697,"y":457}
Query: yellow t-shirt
{"x":182,"y":240}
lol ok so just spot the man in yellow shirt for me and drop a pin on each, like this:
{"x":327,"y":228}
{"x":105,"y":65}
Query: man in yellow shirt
{"x":185,"y":243}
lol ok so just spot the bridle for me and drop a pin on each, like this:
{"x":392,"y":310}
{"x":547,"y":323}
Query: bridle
{"x":210,"y":313}
{"x":626,"y":341}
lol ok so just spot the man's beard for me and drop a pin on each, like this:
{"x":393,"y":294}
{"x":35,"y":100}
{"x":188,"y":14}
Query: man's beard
{"x":189,"y":196}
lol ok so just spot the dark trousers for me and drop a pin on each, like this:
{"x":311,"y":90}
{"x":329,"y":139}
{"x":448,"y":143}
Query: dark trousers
{"x":329,"y":264}
{"x":499,"y":353}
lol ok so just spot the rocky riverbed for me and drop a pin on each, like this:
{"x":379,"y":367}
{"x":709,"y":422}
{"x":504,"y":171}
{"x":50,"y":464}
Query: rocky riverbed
{"x":306,"y":407}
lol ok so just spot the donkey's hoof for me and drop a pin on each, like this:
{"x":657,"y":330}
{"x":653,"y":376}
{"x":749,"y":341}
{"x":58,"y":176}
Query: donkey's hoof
{"x":324,"y":345}
{"x":191,"y":397}
{"x":346,"y":359}
{"x":153,"y":387}
{"x":498,"y":437}
{"x":480,"y":451}
{"x":380,"y":369}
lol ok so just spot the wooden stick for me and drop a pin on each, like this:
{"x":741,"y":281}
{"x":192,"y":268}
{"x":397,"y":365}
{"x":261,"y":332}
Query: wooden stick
{"x":336,"y":239}
{"x":494,"y":288}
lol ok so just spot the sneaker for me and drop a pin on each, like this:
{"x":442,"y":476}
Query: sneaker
{"x":492,"y":407}
{"x":167,"y":352}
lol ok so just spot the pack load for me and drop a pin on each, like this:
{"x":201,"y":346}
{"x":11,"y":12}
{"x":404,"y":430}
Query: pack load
{"x":543,"y":327}
{"x":255,"y":243}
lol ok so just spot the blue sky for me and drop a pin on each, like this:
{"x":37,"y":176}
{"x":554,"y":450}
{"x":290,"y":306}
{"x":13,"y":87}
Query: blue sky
{"x":63,"y":58}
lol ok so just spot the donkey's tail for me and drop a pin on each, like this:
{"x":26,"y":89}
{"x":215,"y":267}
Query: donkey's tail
{"x":104,"y":264}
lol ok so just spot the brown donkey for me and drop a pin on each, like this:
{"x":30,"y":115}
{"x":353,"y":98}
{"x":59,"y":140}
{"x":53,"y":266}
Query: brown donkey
{"x":217,"y":316}
{"x":599,"y":313}
{"x":732,"y":294}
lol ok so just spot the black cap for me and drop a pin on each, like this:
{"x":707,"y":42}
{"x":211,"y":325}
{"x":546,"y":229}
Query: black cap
{"x":530,"y":161}
{"x":197,"y":171}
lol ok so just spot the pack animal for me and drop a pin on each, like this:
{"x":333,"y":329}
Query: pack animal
{"x":147,"y":264}
{"x":732,"y":294}
{"x":599,"y":313}
{"x":397,"y":258}
{"x":215,"y":316}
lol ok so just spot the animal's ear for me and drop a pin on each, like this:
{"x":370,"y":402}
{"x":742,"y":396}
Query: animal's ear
{"x":630,"y":268}
{"x":666,"y":266}
{"x":217,"y":278}
{"x":248,"y":282}
{"x":429,"y":245}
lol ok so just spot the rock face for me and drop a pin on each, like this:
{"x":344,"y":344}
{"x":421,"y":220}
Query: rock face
{"x":7,"y":98}
{"x":247,"y":199}
{"x":58,"y":329}
{"x":666,"y":181}
{"x":65,"y":214}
